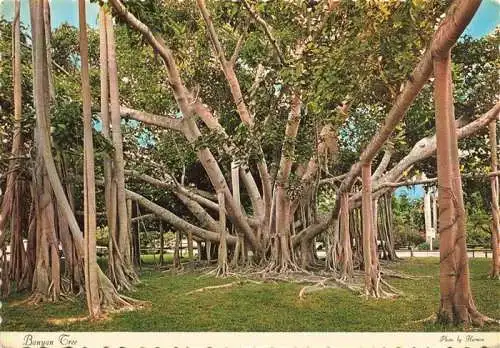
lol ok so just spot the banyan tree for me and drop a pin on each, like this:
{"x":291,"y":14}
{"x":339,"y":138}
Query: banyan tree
{"x":250,"y":118}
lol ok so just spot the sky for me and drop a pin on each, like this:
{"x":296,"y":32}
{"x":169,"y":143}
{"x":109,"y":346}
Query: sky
{"x":484,"y":22}
{"x":62,"y":11}
{"x":486,"y":19}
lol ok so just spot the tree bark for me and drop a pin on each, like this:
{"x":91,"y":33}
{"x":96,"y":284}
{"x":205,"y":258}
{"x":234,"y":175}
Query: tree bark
{"x":48,"y":45}
{"x":176,"y":263}
{"x":495,"y":210}
{"x":457,"y":304}
{"x":162,"y":243}
{"x":19,"y":267}
{"x":46,"y":279}
{"x":125,"y":275}
{"x":50,"y":181}
{"x":281,"y":249}
{"x":90,"y":259}
{"x":345,"y":236}
{"x":222,"y":264}
{"x":370,"y":259}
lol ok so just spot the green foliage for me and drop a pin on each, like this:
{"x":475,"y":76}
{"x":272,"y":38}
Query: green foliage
{"x":408,"y":221}
{"x":479,"y":228}
{"x":426,"y":245}
{"x":102,"y":236}
{"x":326,"y":199}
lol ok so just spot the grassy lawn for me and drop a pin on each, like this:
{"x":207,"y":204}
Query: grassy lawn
{"x":265,"y":307}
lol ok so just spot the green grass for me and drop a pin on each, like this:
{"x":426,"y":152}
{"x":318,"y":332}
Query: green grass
{"x":265,"y":307}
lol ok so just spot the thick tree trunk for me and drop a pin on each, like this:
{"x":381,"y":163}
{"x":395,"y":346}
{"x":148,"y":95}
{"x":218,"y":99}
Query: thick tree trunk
{"x":124,"y":275}
{"x":282,"y":256}
{"x":162,"y":243}
{"x":495,"y":210}
{"x":48,"y":45}
{"x":222,"y":264}
{"x":190,"y":246}
{"x":90,"y":258}
{"x":46,"y":279}
{"x":457,"y":304}
{"x":346,"y":262}
{"x":176,"y":263}
{"x":386,"y":232}
{"x":370,"y":257}
{"x":47,"y":174}
{"x":13,"y":199}
{"x":41,"y":275}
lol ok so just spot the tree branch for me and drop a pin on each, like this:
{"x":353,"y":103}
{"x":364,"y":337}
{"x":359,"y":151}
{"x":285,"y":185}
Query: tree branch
{"x":425,"y":148}
{"x":237,"y":49}
{"x":176,"y":221}
{"x":458,"y":16}
{"x":268,"y":31}
{"x":179,"y":90}
{"x":152,"y":119}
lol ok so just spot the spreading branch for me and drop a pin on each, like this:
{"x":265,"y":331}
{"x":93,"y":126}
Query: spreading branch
{"x":151,"y":119}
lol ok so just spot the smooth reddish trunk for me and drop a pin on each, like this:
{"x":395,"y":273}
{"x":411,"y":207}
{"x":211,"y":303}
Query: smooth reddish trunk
{"x":345,"y":238}
{"x":495,"y":210}
{"x":370,"y":258}
{"x":90,"y":259}
{"x":122,"y":271}
{"x":457,"y":304}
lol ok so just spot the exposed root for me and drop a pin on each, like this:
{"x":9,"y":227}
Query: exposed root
{"x":313,"y":288}
{"x":473,"y":317}
{"x":479,"y":319}
{"x":283,"y":267}
{"x":64,"y":321}
{"x":219,"y":272}
{"x":391,"y":288}
{"x":494,"y":276}
{"x":112,"y":301}
{"x":489,"y":320}
{"x":336,"y":283}
{"x":33,"y":300}
{"x":228,"y":285}
{"x":430,"y":318}
{"x":399,"y":275}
